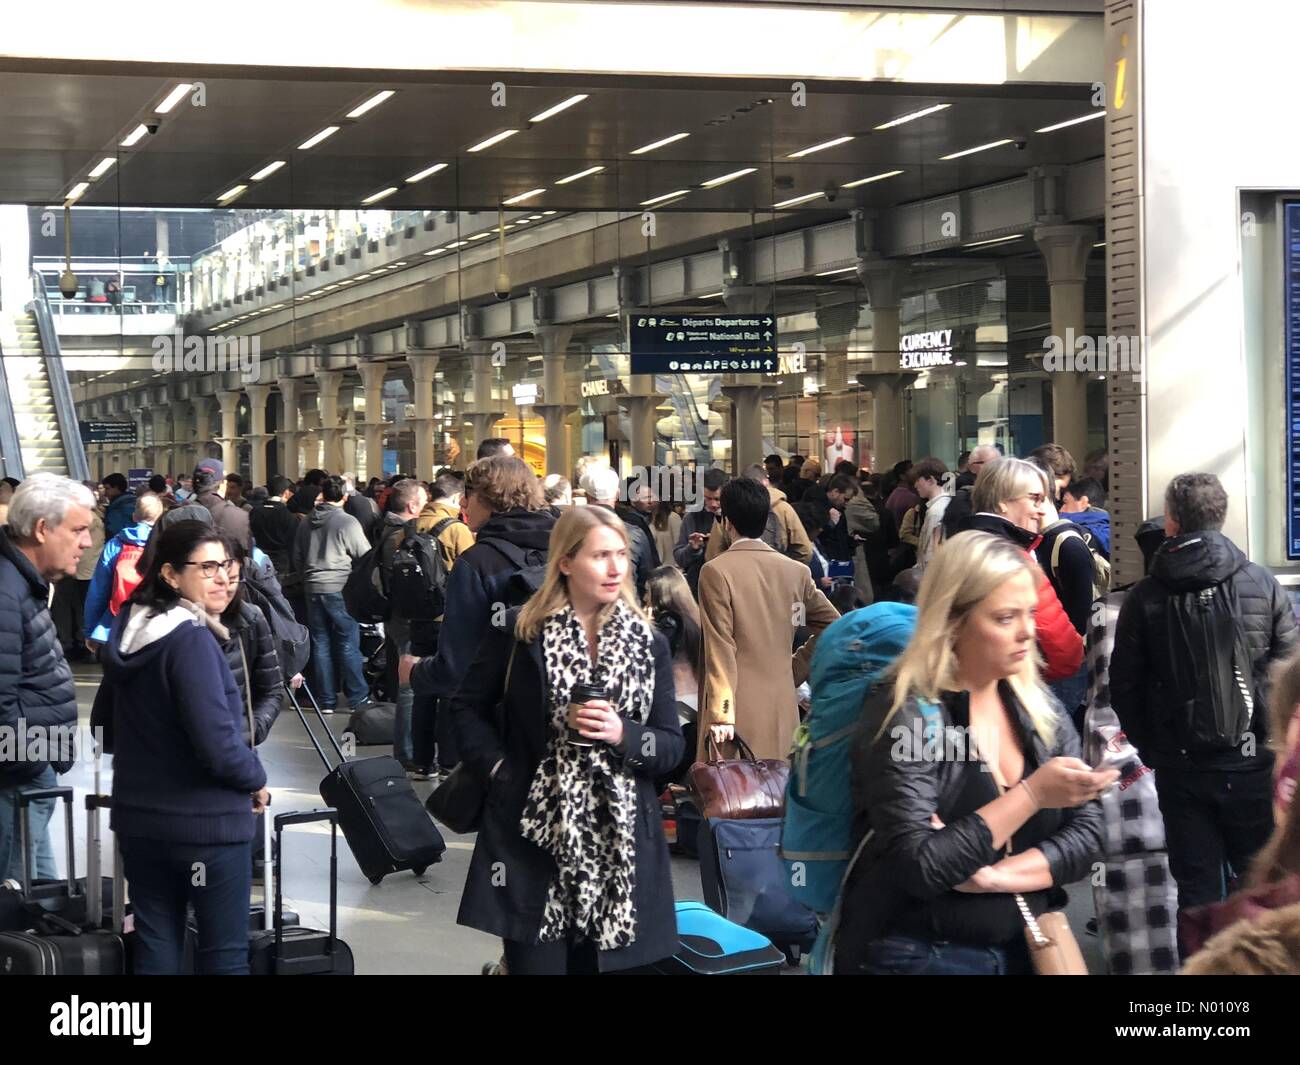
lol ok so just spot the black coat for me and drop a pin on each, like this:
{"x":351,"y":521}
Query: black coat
{"x":895,"y":796}
{"x":645,"y":556}
{"x":274,"y":528}
{"x":250,"y":628}
{"x":36,"y":684}
{"x":1145,"y":672}
{"x":509,"y":877}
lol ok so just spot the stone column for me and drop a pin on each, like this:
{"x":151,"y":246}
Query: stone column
{"x":229,"y":440}
{"x":202,"y":429}
{"x":372,"y":384}
{"x":1065,"y":250}
{"x":483,"y":412}
{"x":423,"y":370}
{"x":555,"y":408}
{"x":289,"y":436}
{"x":182,"y":438}
{"x":882,"y":279}
{"x":746,"y":392}
{"x":328,"y":382}
{"x":641,"y":404}
{"x":257,"y":434}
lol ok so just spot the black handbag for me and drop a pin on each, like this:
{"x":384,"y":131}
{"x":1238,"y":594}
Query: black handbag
{"x":459,"y":800}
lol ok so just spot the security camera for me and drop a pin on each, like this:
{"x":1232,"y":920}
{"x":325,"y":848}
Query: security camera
{"x":1021,"y":143}
{"x":152,"y":127}
{"x":68,"y":284}
{"x":502,"y":287}
{"x":830,"y":192}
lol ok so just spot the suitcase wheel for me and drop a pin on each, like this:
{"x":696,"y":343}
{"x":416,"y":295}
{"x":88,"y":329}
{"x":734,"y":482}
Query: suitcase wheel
{"x":377,"y":879}
{"x":791,"y":956}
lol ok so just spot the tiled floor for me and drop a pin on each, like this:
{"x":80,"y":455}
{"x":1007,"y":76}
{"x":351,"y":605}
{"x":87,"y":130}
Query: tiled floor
{"x":406,"y":924}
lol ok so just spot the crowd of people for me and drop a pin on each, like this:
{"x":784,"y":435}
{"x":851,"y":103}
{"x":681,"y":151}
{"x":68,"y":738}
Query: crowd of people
{"x":575,"y":645}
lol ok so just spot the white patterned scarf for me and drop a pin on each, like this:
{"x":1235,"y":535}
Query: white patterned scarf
{"x":582,"y":805}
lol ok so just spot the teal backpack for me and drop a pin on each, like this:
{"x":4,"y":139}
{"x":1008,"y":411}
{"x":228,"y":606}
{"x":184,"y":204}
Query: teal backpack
{"x":817,"y":834}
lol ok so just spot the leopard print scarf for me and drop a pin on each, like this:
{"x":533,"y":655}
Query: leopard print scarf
{"x":581,"y":806}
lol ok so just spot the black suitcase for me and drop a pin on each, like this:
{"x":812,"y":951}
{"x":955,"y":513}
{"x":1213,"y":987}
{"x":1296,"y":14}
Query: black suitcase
{"x":55,"y":945}
{"x":383,"y":820}
{"x":279,"y":949}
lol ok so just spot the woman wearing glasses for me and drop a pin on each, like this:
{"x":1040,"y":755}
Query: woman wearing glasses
{"x":186,"y":783}
{"x":1008,"y":500}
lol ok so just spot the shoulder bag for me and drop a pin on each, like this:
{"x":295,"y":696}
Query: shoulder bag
{"x":739,"y":788}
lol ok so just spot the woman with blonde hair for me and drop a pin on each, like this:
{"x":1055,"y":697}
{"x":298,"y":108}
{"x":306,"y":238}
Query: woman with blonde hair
{"x":567,"y":716}
{"x":967,"y":780}
{"x":1008,"y":501}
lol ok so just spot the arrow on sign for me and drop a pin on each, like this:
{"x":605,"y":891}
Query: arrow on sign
{"x":767,"y":321}
{"x":767,"y":336}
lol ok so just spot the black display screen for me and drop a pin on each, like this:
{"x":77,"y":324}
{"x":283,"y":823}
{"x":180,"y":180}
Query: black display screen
{"x":1291,"y":281}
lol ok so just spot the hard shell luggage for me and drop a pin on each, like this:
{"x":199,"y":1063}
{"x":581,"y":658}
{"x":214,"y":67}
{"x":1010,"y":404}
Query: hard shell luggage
{"x":383,"y":820}
{"x":278,"y":949}
{"x":745,"y":880}
{"x":373,"y":725}
{"x":713,"y":946}
{"x":55,"y":945}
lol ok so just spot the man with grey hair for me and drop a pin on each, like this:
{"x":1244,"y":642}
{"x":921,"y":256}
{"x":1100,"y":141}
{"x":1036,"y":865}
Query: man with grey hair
{"x":48,"y":530}
{"x":960,"y":508}
{"x":1189,"y":679}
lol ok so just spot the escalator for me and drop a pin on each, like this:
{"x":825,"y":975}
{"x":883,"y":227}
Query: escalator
{"x":38,"y":425}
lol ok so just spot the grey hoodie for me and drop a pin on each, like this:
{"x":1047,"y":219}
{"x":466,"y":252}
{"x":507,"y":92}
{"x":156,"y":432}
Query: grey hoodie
{"x":328,"y":543}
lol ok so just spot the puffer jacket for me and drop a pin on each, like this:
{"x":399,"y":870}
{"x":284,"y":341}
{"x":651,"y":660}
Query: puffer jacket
{"x":1145,"y":673}
{"x":907,"y":862}
{"x":36,"y":684}
{"x":250,"y":628}
{"x":1059,"y":641}
{"x":645,"y":555}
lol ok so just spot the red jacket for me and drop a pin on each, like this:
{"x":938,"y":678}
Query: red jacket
{"x":1058,"y":640}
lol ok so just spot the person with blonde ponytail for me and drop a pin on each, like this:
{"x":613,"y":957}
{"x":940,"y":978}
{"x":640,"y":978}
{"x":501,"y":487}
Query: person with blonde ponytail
{"x":967,"y":783}
{"x":571,"y":867}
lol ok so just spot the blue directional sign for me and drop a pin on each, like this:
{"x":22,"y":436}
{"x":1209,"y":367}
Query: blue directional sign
{"x":1291,"y":312}
{"x":703,"y":343}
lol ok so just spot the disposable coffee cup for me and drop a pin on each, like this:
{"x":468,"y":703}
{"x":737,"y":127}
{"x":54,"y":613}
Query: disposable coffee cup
{"x":580,"y":695}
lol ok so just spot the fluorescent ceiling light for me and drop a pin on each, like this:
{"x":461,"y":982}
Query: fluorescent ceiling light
{"x":173,"y":98}
{"x":798,"y":199}
{"x":134,"y":136}
{"x":869,"y":180}
{"x":548,"y":213}
{"x":434,"y":251}
{"x":361,"y":276}
{"x":373,"y":102}
{"x":521,"y":197}
{"x":580,"y":174}
{"x":537,"y":217}
{"x":1072,"y":122}
{"x":563,"y":105}
{"x":231,"y":194}
{"x":659,"y":144}
{"x":268,"y":170}
{"x":713,"y":183}
{"x":426,"y":173}
{"x":709,"y":296}
{"x":665,"y":196}
{"x":1100,"y":244}
{"x":481,"y":236}
{"x":400,"y":262}
{"x":977,"y":148}
{"x":77,"y":191}
{"x":374,"y":197}
{"x":102,"y":167}
{"x":496,"y":138}
{"x":456,"y":244}
{"x":913,"y":116}
{"x":995,"y":240}
{"x":818,"y":147}
{"x":312,"y":141}
{"x":830,"y":273}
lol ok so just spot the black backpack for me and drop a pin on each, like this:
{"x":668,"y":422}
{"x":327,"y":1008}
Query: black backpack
{"x":292,"y":639}
{"x":1214,"y":669}
{"x":417,"y":584}
{"x":364,"y":594}
{"x":516,"y":587}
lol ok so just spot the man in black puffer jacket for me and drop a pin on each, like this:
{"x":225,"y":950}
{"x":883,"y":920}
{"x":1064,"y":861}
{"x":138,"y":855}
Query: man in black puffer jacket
{"x":1189,"y":681}
{"x":49,"y":528}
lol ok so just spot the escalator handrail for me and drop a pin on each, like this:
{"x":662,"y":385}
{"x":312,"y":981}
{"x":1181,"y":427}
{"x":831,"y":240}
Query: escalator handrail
{"x":10,"y":447}
{"x":65,"y":410}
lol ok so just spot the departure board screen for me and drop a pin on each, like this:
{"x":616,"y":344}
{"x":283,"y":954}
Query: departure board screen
{"x":1291,"y":275}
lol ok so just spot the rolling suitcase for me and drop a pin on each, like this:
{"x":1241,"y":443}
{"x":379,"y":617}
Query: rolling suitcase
{"x":279,"y":949}
{"x":55,"y":945}
{"x":383,"y":820}
{"x":745,"y":880}
{"x":713,"y":946}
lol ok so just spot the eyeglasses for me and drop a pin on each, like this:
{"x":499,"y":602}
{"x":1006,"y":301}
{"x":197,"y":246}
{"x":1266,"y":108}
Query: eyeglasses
{"x":1037,"y":498}
{"x":209,"y":569}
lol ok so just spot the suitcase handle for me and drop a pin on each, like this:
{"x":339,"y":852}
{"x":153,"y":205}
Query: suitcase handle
{"x":305,"y":817}
{"x":293,"y":701}
{"x":25,"y":800}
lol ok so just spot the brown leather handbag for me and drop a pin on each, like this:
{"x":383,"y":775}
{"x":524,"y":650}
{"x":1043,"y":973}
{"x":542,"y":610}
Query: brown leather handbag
{"x":1053,"y":950}
{"x":739,"y":788}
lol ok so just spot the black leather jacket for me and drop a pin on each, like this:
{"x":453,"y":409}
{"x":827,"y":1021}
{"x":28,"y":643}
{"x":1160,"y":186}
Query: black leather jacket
{"x":896,"y":790}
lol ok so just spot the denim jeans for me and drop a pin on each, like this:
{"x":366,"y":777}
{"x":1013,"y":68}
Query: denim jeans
{"x":39,"y":814}
{"x":397,"y":638}
{"x":1073,"y":693}
{"x":904,"y":956}
{"x":162,"y":877}
{"x":335,"y":634}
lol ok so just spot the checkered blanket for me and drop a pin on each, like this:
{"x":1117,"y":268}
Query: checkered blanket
{"x":1135,"y":895}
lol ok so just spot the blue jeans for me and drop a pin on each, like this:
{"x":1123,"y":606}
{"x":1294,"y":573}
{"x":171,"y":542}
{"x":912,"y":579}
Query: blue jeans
{"x":904,"y":956}
{"x":334,"y":632}
{"x":216,"y":879}
{"x":397,"y":637}
{"x":39,"y":814}
{"x":1073,"y":693}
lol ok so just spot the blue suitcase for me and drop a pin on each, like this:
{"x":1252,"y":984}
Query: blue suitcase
{"x":713,"y":946}
{"x":744,"y":879}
